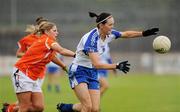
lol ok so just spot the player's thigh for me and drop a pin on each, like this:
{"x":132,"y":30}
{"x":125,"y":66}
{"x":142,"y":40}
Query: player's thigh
{"x":38,"y":99}
{"x":82,"y":92}
{"x":95,"y":99}
{"x":24,"y":98}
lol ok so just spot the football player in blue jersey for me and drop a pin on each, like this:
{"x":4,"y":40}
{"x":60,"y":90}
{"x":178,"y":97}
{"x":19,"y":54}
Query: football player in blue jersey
{"x":83,"y":75}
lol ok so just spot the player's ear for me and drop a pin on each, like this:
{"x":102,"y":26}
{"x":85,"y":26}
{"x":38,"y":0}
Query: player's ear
{"x":101,"y":25}
{"x":47,"y":32}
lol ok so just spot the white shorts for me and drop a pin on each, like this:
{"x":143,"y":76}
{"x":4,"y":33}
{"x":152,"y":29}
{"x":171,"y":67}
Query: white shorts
{"x":23,"y":83}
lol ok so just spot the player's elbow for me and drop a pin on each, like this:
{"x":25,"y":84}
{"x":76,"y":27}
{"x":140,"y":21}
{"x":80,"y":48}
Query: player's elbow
{"x":127,"y":34}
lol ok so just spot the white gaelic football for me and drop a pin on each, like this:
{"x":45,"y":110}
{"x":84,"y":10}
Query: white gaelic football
{"x":161,"y":44}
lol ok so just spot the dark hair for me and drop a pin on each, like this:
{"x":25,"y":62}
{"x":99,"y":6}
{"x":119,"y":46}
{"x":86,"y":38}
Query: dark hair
{"x":100,"y":18}
{"x":40,"y":19}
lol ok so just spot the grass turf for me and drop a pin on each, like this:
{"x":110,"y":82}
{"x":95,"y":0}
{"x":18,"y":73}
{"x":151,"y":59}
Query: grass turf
{"x":128,"y":93}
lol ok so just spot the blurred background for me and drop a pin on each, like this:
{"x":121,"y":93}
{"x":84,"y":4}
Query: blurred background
{"x":73,"y":22}
{"x":71,"y":17}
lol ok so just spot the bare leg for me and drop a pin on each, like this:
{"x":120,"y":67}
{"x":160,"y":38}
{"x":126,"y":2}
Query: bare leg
{"x":25,"y":103}
{"x":83,"y":95}
{"x":104,"y":85}
{"x":38,"y":101}
{"x":95,"y":98}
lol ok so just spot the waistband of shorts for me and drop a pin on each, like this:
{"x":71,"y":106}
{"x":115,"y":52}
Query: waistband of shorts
{"x":84,"y":66}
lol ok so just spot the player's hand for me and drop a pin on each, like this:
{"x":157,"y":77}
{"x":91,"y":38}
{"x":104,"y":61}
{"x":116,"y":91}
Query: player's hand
{"x":123,"y":66}
{"x":152,"y":31}
{"x":65,"y":69}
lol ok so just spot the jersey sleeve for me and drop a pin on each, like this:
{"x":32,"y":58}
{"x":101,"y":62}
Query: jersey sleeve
{"x":21,"y":45}
{"x":113,"y":35}
{"x":49,"y":43}
{"x":116,"y":34}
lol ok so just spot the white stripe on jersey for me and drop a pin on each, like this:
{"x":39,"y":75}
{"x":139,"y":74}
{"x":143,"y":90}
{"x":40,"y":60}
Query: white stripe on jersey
{"x":47,"y":44}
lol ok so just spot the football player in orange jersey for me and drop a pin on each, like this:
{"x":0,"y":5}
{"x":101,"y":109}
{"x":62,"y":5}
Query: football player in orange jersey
{"x":30,"y":68}
{"x":23,"y":45}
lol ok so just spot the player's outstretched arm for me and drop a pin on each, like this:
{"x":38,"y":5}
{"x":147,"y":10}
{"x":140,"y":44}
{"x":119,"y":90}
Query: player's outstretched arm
{"x":134,"y":34}
{"x":62,"y":51}
{"x":131,"y":34}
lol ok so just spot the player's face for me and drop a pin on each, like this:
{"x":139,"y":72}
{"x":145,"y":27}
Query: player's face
{"x":107,"y":27}
{"x":53,"y":32}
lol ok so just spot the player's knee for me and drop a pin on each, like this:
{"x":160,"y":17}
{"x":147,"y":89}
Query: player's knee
{"x":87,"y":106}
{"x":38,"y":107}
{"x":95,"y":109}
{"x":105,"y":86}
{"x":25,"y":108}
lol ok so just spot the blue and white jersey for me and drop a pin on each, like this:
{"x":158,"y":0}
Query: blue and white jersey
{"x":91,"y":42}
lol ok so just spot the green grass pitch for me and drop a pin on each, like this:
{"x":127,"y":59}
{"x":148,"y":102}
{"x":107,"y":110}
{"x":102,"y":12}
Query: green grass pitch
{"x":127,"y":93}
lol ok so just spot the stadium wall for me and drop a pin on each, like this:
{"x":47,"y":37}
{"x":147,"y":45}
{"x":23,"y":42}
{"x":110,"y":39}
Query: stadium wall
{"x":140,"y":62}
{"x":71,"y":17}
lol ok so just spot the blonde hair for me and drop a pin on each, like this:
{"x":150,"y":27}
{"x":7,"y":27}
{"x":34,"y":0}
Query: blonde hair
{"x":46,"y":27}
{"x":31,"y":28}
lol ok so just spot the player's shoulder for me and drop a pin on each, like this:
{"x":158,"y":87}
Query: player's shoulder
{"x":47,"y":40}
{"x":92,"y":34}
{"x":116,"y":33}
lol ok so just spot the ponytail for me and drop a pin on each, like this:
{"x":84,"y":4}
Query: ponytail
{"x":91,"y":14}
{"x":40,"y":19}
{"x":31,"y":29}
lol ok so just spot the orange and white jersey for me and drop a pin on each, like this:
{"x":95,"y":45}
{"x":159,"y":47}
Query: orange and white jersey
{"x":33,"y":62}
{"x":26,"y":42}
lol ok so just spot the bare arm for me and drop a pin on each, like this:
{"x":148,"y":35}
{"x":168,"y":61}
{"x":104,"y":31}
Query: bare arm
{"x":57,"y":61}
{"x":122,"y":66}
{"x":98,"y":64}
{"x":131,"y":34}
{"x":145,"y":33}
{"x":60,"y":63}
{"x":62,"y":51}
